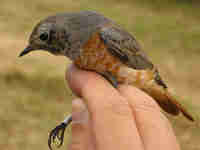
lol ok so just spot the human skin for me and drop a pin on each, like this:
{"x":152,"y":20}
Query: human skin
{"x":105,"y":118}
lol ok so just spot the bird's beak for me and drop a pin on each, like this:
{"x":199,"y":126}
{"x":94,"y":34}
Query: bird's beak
{"x":26,"y":51}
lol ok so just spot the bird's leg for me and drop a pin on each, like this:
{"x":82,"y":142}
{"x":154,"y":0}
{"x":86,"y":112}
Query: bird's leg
{"x":110,"y":78}
{"x":57,"y":134}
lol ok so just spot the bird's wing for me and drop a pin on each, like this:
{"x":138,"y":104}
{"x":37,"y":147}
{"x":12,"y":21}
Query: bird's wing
{"x":124,"y":46}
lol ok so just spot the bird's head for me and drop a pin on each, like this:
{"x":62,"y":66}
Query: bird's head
{"x":47,"y":36}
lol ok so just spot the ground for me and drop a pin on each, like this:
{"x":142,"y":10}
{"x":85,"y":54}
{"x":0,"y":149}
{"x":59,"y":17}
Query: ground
{"x":34,"y":96}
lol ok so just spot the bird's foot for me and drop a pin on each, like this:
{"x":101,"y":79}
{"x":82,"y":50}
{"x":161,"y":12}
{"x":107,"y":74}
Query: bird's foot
{"x":56,"y":135}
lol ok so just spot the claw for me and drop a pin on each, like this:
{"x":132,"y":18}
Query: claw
{"x":57,"y":134}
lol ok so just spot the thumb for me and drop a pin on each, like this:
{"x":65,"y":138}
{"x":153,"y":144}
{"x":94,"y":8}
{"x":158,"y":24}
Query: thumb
{"x":81,"y":133}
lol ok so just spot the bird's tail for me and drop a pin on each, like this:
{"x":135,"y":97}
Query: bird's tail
{"x":167,"y":101}
{"x":180,"y":107}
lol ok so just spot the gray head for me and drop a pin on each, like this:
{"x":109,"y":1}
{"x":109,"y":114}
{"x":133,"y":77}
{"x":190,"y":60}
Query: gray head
{"x":65,"y":33}
{"x":48,"y":36}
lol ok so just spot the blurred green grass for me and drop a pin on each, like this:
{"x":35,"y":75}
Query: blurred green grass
{"x":34,"y":98}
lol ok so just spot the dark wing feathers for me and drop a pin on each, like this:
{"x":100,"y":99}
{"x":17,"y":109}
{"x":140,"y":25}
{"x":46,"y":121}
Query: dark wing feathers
{"x":123,"y":45}
{"x":114,"y":46}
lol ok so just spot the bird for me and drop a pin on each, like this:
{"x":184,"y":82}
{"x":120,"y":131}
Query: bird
{"x":96,"y":43}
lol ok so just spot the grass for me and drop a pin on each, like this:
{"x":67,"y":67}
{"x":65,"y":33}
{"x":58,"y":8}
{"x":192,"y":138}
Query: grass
{"x":34,"y":98}
{"x":31,"y":103}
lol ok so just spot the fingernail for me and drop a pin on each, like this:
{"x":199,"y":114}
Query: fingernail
{"x":79,"y":112}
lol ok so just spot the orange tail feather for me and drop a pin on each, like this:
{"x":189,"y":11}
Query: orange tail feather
{"x":167,"y":101}
{"x":179,"y":106}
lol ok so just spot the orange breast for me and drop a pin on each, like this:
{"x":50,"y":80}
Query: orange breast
{"x":96,"y":57}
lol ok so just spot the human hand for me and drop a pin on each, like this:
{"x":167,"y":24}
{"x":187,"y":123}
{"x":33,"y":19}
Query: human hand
{"x":105,"y":118}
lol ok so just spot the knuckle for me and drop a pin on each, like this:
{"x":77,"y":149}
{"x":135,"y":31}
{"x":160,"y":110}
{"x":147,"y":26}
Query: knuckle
{"x":147,"y":105}
{"x":121,"y":108}
{"x":118,"y":106}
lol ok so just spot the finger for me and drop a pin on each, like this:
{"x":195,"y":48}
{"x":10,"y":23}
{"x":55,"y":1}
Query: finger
{"x":154,"y":128}
{"x":69,"y":78}
{"x":81,"y":135}
{"x":111,"y":117}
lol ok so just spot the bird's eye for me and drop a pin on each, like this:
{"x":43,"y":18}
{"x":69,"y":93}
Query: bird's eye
{"x":44,"y":36}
